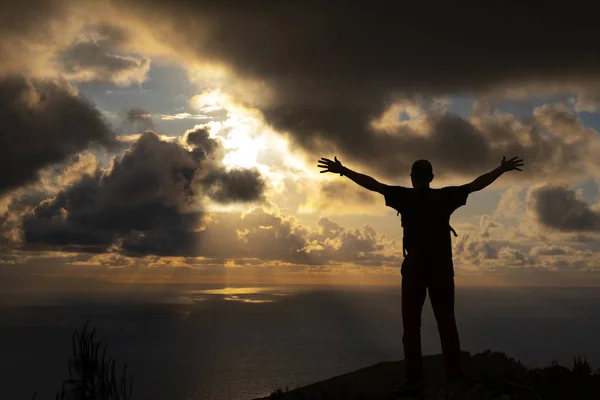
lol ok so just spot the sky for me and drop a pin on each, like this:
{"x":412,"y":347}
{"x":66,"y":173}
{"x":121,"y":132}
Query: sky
{"x":171,"y":141}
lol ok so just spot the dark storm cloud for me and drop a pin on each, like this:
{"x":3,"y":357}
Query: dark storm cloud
{"x":382,"y":45}
{"x":559,"y":208}
{"x":149,"y":189}
{"x":21,"y":20}
{"x":361,"y":47}
{"x":147,"y":203}
{"x":335,"y":67}
{"x":199,"y":138}
{"x":42,"y":123}
{"x":234,"y":185}
{"x":25,"y":17}
{"x":224,"y":186}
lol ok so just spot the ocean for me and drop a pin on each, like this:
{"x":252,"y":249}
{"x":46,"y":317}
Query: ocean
{"x":214,"y":342}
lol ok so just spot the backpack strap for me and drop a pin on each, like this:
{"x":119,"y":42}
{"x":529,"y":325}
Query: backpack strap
{"x":404,"y":253}
{"x":452,"y":230}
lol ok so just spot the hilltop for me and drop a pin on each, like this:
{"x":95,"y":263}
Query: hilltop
{"x":491,"y":375}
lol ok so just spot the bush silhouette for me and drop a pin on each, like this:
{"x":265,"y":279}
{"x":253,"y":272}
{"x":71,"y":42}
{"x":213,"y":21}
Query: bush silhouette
{"x":93,"y":375}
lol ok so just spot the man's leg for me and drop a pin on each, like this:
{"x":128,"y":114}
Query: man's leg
{"x":441,"y":295}
{"x":414,"y":291}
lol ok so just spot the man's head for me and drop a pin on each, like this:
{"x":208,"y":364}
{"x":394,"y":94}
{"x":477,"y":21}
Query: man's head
{"x":421,"y":173}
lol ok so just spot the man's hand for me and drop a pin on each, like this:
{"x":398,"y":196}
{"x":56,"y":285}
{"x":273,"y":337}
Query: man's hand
{"x":363,"y":180}
{"x":331,"y":166}
{"x":512,"y":164}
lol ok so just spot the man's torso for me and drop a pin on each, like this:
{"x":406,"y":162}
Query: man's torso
{"x":426,"y":226}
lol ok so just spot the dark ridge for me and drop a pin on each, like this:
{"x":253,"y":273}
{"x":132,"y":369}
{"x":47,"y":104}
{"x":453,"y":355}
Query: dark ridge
{"x":490,"y":375}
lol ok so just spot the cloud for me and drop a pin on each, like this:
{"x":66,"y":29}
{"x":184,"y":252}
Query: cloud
{"x":93,"y":58}
{"x":473,"y":250}
{"x":564,"y":123}
{"x":148,"y":190}
{"x":487,"y":224}
{"x":272,"y":236}
{"x":558,"y":207}
{"x":517,"y":243}
{"x":512,"y":256}
{"x":556,"y":250}
{"x":234,"y":185}
{"x":17,"y":203}
{"x":510,"y":205}
{"x":564,"y":258}
{"x":43,"y":123}
{"x":148,"y":202}
{"x":476,"y":254}
{"x":79,"y":42}
{"x":199,"y":137}
{"x":304,"y":44}
{"x":587,"y":101}
{"x":21,"y":28}
{"x":262,"y":237}
{"x":311,"y":48}
{"x":331,"y":242}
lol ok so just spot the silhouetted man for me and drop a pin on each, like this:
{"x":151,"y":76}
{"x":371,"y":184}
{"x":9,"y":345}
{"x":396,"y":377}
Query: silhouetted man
{"x":427,"y":249}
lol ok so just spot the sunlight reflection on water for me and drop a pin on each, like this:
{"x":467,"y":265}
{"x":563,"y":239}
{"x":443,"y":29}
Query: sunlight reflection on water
{"x":243,"y":300}
{"x":252,"y":295}
{"x":240,"y":290}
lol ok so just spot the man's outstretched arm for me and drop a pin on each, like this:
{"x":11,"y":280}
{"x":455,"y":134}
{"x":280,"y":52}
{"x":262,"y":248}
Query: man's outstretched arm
{"x":363,"y":180}
{"x":486,"y":179}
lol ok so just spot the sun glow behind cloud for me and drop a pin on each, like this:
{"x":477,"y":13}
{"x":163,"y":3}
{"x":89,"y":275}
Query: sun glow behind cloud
{"x":249,"y":143}
{"x":243,"y":144}
{"x":210,"y":98}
